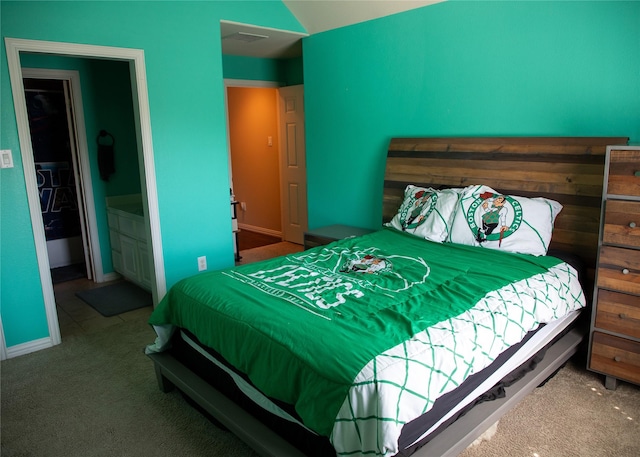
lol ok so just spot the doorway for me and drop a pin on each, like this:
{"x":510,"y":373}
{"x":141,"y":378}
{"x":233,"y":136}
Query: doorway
{"x":267,"y":160}
{"x":253,"y":147}
{"x":53,"y":129}
{"x":135,"y":59}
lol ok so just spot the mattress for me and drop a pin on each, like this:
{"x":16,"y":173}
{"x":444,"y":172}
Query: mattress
{"x":426,"y":316}
{"x":486,"y":385}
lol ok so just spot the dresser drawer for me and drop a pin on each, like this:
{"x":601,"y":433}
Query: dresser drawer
{"x":619,"y":313}
{"x":616,"y":357}
{"x":619,"y":269}
{"x":624,"y":173}
{"x":622,"y":223}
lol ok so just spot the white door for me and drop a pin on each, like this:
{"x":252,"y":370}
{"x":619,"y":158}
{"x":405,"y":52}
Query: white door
{"x":293,"y":168}
{"x":82,"y":204}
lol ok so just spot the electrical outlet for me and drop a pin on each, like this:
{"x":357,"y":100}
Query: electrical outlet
{"x":202,"y":263}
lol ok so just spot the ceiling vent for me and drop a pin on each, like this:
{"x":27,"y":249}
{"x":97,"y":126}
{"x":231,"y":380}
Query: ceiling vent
{"x":245,"y":36}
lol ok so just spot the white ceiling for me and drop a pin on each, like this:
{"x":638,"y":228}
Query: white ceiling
{"x":315,"y":16}
{"x":321,"y":15}
{"x":278,"y":44}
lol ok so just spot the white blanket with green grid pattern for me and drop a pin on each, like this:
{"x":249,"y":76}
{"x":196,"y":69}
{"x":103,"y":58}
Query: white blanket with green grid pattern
{"x":403,"y":382}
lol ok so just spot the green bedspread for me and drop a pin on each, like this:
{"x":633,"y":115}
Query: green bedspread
{"x":303,"y":326}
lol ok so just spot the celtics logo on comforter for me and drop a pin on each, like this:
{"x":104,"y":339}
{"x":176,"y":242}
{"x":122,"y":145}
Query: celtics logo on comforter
{"x":324,"y":280}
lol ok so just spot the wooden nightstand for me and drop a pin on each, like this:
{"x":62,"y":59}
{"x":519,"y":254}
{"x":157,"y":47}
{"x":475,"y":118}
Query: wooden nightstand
{"x":614,"y":347}
{"x":330,"y":233}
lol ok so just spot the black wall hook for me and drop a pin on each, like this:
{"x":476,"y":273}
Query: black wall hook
{"x":106,"y":157}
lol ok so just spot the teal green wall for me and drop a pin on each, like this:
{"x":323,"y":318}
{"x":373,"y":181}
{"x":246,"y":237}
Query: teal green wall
{"x":461,"y":69}
{"x":455,"y":68}
{"x":181,"y":43}
{"x":288,"y":72}
{"x":251,"y":68}
{"x":293,"y":70}
{"x":107,"y":104}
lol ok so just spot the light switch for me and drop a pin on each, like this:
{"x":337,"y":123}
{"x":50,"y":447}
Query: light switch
{"x":269,"y":141}
{"x":6,"y":160}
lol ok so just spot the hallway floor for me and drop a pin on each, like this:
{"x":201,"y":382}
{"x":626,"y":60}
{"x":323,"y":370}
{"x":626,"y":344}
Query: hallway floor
{"x":250,"y":240}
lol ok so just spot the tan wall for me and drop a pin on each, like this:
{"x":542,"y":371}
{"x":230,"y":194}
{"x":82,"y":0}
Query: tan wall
{"x":253,"y":117}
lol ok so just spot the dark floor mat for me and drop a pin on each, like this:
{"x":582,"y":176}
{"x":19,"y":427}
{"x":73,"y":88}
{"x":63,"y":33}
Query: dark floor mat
{"x":116,"y":298}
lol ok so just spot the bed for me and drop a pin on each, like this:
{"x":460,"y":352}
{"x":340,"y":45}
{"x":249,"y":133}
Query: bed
{"x":300,"y":389}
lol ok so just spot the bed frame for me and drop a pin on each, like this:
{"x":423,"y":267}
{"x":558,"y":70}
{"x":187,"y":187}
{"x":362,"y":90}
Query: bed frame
{"x":568,"y":170}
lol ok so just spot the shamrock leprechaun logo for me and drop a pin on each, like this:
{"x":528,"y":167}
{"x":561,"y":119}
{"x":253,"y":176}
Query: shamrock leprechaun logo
{"x":367,"y":264}
{"x":419,"y":207}
{"x":493,"y":217}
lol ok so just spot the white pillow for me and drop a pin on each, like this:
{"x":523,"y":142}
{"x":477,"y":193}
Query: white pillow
{"x":426,"y":212}
{"x":508,"y":222}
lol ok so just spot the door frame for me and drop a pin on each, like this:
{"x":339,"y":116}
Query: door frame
{"x":135,"y":57}
{"x":81,"y":169}
{"x":257,"y":84}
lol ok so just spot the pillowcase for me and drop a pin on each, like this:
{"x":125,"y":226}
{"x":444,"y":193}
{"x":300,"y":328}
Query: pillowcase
{"x":426,"y":212}
{"x":489,"y":219}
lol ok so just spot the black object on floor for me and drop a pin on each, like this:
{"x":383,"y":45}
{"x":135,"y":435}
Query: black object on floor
{"x":117,"y":298}
{"x":68,"y":273}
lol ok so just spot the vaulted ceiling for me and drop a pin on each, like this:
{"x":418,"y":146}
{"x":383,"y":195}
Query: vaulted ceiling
{"x":321,"y":15}
{"x":315,"y":16}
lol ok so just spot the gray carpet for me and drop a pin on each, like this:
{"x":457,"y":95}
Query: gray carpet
{"x":117,"y":298}
{"x":96,"y":395}
{"x":573,"y":415}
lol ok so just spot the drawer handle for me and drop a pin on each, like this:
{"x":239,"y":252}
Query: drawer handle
{"x":625,"y":271}
{"x":617,"y":358}
{"x":622,"y":316}
{"x":632,"y":224}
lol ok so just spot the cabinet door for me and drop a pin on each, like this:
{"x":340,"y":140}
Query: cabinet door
{"x":129,"y":260}
{"x":116,"y":258}
{"x":114,"y":238}
{"x":145,"y":266}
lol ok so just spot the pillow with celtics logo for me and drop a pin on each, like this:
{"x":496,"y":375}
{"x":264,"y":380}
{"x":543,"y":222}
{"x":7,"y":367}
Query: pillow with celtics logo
{"x":426,"y":213}
{"x":489,"y":219}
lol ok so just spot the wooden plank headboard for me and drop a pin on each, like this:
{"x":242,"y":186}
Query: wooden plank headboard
{"x":569,"y":170}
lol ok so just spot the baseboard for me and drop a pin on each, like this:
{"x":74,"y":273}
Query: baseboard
{"x":264,"y":231}
{"x":110,"y":277}
{"x":29,"y":347}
